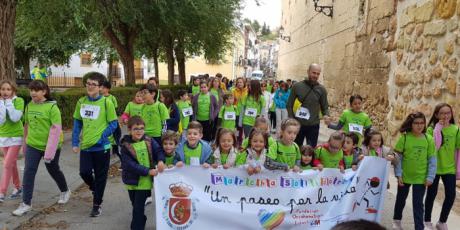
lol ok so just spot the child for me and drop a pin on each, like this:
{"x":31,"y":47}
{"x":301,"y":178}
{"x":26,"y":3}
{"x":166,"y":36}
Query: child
{"x":417,"y":167}
{"x":154,"y":114}
{"x":306,"y":161}
{"x":447,"y":142}
{"x":273,"y":108}
{"x":185,"y":109}
{"x":351,"y":151}
{"x":169,"y":142}
{"x":251,"y":106}
{"x":205,"y":109}
{"x":195,"y":87}
{"x":115,"y":138}
{"x":11,"y":132}
{"x":285,"y":154}
{"x":96,"y":119}
{"x":330,"y":154}
{"x":373,"y":146}
{"x":43,"y":139}
{"x":193,"y":151}
{"x":354,"y":119}
{"x":267,"y":99}
{"x":262,"y":125}
{"x":228,"y":114}
{"x":281,"y":98}
{"x":225,"y":152}
{"x":138,"y":169}
{"x":133,"y":108}
{"x":253,"y":158}
{"x":174,"y":115}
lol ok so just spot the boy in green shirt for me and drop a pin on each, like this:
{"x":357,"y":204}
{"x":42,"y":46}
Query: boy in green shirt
{"x":96,"y":119}
{"x":154,"y":114}
{"x":169,"y":142}
{"x":138,"y":169}
{"x":228,"y":114}
{"x":115,"y":138}
{"x":193,"y":151}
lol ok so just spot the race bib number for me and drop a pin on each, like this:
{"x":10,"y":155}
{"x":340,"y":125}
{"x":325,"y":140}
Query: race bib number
{"x":303,"y":113}
{"x":194,"y":161}
{"x":90,"y":111}
{"x":230,"y":116}
{"x":355,"y":128}
{"x":251,"y":112}
{"x":187,"y":112}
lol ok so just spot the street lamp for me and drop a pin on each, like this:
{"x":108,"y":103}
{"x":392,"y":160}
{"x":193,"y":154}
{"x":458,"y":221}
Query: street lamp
{"x":326,"y":10}
{"x":284,"y":37}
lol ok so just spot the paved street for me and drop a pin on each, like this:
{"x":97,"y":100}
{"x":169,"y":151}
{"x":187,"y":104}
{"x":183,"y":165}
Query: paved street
{"x":116,"y":212}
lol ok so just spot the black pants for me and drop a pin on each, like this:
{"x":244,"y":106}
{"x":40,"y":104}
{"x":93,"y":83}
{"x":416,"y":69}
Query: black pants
{"x":207,"y":130}
{"x":98,"y":162}
{"x":449,"y":181}
{"x":117,"y":137}
{"x":272,"y":116}
{"x":418,"y":191}
{"x":138,"y":198}
{"x":309,"y":132}
{"x":32,"y":160}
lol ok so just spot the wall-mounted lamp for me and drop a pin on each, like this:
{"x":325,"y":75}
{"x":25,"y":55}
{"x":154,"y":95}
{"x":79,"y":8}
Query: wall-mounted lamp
{"x":284,"y":37}
{"x":326,"y":10}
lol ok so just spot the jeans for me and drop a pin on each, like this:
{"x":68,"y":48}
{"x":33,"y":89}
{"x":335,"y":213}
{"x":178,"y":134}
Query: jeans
{"x":449,"y":181}
{"x":98,"y":162}
{"x":138,"y":198}
{"x":310,"y":132}
{"x":418,"y":191}
{"x":281,"y":114}
{"x":32,"y":160}
{"x":207,"y":130}
{"x":10,"y":168}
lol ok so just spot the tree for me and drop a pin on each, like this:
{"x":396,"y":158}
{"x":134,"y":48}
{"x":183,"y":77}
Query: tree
{"x":7,"y":25}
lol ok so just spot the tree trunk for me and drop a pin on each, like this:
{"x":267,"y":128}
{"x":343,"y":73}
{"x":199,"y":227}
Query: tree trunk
{"x":155,"y":63}
{"x":180,"y":57}
{"x":128,"y":69}
{"x":7,"y":25}
{"x":169,"y":50}
{"x":110,"y":70}
{"x":22,"y":61}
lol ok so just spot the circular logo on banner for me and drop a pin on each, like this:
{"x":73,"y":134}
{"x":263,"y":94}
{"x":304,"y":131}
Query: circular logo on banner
{"x":179,"y":211}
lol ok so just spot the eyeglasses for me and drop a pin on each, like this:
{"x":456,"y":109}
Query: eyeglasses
{"x":138,"y":129}
{"x":91,"y":84}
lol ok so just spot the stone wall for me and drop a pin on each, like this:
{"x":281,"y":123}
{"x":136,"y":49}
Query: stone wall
{"x":424,"y":67}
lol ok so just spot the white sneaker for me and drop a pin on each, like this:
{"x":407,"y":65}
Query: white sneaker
{"x":64,"y":197}
{"x":441,"y":226}
{"x":428,"y":225}
{"x":2,"y":198}
{"x":397,"y":225}
{"x":22,"y":209}
{"x":148,"y":201}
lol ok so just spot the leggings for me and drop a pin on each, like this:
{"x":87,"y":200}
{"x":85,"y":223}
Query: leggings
{"x":10,"y":168}
{"x":449,"y":181}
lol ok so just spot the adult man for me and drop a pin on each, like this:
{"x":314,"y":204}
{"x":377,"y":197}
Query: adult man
{"x":313,"y":99}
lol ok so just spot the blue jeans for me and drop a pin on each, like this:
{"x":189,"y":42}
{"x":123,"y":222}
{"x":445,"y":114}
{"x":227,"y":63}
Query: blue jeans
{"x":98,"y":162}
{"x":449,"y":181}
{"x":32,"y":160}
{"x":418,"y":191}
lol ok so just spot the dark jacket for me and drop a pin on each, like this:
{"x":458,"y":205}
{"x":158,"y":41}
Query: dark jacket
{"x":132,"y":170}
{"x":313,"y":96}
{"x":174,"y":118}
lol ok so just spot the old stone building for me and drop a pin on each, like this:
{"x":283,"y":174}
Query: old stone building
{"x":401,"y":55}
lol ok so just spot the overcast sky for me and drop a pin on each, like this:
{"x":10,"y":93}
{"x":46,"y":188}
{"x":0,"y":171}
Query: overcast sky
{"x":269,"y":12}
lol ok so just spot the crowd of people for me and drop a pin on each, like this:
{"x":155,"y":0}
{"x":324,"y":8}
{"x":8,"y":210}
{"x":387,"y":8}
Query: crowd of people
{"x":256,"y":125}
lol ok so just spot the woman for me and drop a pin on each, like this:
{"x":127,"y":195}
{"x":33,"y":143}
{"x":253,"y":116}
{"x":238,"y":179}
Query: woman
{"x":281,"y":98}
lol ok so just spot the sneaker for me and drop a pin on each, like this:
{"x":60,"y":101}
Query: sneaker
{"x":22,"y":209}
{"x":17,"y":193}
{"x":96,"y":211}
{"x":397,"y":225}
{"x":64,"y":197}
{"x":2,"y":198}
{"x":441,"y":226}
{"x":428,"y":225}
{"x":148,"y":201}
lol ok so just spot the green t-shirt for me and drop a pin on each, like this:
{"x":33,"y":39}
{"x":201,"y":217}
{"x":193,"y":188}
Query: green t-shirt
{"x":348,"y":160}
{"x":355,"y":122}
{"x":142,"y":154}
{"x":415,"y":151}
{"x":252,"y":109}
{"x":95,"y":115}
{"x":192,"y":155}
{"x":215,"y":93}
{"x":228,"y":115}
{"x":195,"y":90}
{"x":133,"y":109}
{"x":269,"y":88}
{"x":328,"y":160}
{"x":169,"y":160}
{"x":10,"y":128}
{"x":242,"y":157}
{"x":223,"y":158}
{"x":273,"y":107}
{"x":204,"y":106}
{"x":245,"y":143}
{"x":154,"y":115}
{"x":306,"y":167}
{"x":113,"y":99}
{"x":182,"y":105}
{"x":39,"y":117}
{"x":284,"y":154}
{"x":446,"y":154}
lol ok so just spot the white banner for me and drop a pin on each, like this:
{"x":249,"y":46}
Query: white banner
{"x":198,"y":198}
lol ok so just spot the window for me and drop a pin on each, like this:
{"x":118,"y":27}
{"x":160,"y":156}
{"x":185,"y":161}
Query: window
{"x":85,"y":59}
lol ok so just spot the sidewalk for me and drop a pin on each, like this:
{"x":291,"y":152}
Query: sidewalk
{"x":46,"y":192}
